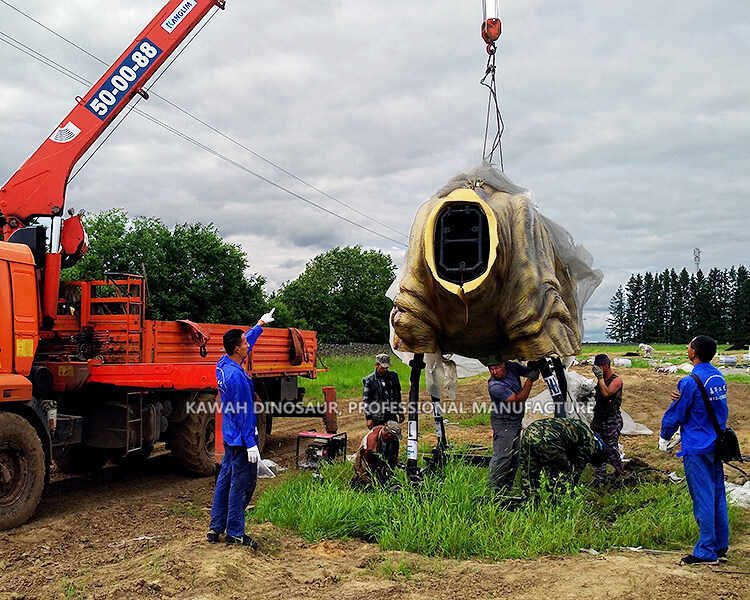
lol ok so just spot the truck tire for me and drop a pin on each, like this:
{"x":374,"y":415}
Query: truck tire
{"x":261,"y":424}
{"x":22,"y":470}
{"x":192,"y":439}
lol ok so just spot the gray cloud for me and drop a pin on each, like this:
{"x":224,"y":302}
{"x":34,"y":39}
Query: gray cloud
{"x":627,"y":120}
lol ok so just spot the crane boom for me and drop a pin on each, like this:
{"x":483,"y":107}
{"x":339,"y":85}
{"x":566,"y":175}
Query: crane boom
{"x":37,"y":189}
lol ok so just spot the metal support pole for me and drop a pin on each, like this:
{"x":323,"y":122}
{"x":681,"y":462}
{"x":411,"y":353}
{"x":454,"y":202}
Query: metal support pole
{"x":437,"y":411}
{"x":562,"y":381}
{"x":553,"y":384}
{"x":438,"y":452}
{"x":412,"y":448}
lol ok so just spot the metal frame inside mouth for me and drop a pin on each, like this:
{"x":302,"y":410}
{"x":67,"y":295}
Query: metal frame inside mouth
{"x":462,"y":242}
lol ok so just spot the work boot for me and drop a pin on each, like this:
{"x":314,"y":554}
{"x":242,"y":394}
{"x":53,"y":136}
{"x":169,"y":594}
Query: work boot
{"x":245,"y":540}
{"x":693,"y":561}
{"x":212,"y":536}
{"x":722,"y":555}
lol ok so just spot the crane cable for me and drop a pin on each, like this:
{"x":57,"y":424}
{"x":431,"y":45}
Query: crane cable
{"x":491,"y":30}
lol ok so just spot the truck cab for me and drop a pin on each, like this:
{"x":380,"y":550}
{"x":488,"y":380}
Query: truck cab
{"x":24,"y":452}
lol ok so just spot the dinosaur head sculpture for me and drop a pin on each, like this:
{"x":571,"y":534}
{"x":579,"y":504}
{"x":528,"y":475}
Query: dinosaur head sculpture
{"x":486,"y":274}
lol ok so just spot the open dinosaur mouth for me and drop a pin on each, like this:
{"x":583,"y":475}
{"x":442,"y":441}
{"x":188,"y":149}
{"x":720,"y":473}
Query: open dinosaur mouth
{"x":461,"y":241}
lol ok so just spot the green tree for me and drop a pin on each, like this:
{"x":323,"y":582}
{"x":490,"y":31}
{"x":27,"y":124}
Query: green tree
{"x":634,"y":312}
{"x":702,"y":305}
{"x":616,"y":326}
{"x":341,"y":294}
{"x":740,"y":309}
{"x":191,"y":272}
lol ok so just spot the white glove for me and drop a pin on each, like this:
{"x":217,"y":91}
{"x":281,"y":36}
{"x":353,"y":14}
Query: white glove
{"x":663,"y":444}
{"x":598,"y":372}
{"x":267,"y":318}
{"x":253,"y":455}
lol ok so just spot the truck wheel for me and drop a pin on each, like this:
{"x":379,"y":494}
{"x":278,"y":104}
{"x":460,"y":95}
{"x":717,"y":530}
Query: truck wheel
{"x":262,"y":431}
{"x":192,"y":440}
{"x":22,"y":470}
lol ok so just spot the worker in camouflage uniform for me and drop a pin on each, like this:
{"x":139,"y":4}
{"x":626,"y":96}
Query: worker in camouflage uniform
{"x":377,"y":455}
{"x":607,"y":420}
{"x":560,"y":447}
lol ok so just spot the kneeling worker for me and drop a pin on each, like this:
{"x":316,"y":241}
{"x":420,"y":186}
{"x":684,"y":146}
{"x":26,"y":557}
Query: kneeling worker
{"x":377,"y":455}
{"x":560,"y":447}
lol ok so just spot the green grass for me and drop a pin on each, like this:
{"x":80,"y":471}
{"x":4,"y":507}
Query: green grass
{"x":737,"y":378}
{"x":639,"y":363}
{"x":188,"y":509}
{"x":472,"y":420}
{"x":453,"y":516}
{"x":391,"y":569}
{"x":347,"y":372}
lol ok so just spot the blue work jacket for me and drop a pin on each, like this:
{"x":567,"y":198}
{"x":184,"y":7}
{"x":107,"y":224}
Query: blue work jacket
{"x":689,"y":411}
{"x":237,"y":395}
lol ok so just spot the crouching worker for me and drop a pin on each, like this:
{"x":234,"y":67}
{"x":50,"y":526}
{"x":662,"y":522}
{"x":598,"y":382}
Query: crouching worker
{"x":239,"y":468}
{"x":560,"y":447}
{"x":377,"y":455}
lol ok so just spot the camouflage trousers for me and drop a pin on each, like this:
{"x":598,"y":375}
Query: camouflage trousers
{"x":609,"y":430}
{"x":537,"y":457}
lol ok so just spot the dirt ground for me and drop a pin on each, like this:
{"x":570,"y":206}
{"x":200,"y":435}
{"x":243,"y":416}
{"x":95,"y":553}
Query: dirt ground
{"x":140,"y":534}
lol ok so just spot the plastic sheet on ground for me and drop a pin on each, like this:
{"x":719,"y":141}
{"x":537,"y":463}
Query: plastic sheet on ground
{"x":579,"y":405}
{"x":265,"y":468}
{"x":739,"y":494}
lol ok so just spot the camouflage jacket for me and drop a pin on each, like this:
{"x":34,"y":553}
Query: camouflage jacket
{"x":555,"y":437}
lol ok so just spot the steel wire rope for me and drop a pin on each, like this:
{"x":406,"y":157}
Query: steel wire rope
{"x":211,"y":127}
{"x":79,"y":79}
{"x":497,"y":145}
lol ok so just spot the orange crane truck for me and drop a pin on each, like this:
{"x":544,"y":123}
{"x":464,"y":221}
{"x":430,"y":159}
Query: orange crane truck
{"x":84,"y":376}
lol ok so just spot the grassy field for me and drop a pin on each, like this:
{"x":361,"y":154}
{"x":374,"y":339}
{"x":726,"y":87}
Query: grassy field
{"x":346,"y":372}
{"x":453,"y":516}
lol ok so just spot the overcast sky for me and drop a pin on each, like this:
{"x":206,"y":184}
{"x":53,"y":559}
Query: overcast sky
{"x":628,"y":120}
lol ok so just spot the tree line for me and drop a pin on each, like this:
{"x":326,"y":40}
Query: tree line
{"x":673,"y":307}
{"x":192,"y":273}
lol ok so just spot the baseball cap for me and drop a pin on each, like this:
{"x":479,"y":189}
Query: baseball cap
{"x":383,"y":360}
{"x":393,"y":428}
{"x":493,"y":359}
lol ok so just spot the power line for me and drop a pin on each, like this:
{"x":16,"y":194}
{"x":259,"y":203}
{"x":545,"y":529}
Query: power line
{"x":208,"y":125}
{"x":38,"y":56}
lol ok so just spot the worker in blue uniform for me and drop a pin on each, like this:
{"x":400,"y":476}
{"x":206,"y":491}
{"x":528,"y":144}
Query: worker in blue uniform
{"x":239,"y":468}
{"x":704,"y":470}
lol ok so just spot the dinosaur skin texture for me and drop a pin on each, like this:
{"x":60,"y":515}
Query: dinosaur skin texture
{"x":522,"y":307}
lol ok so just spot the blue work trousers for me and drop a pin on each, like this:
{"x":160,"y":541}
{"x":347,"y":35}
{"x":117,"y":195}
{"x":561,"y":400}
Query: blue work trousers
{"x":705,"y":478}
{"x":234,"y":488}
